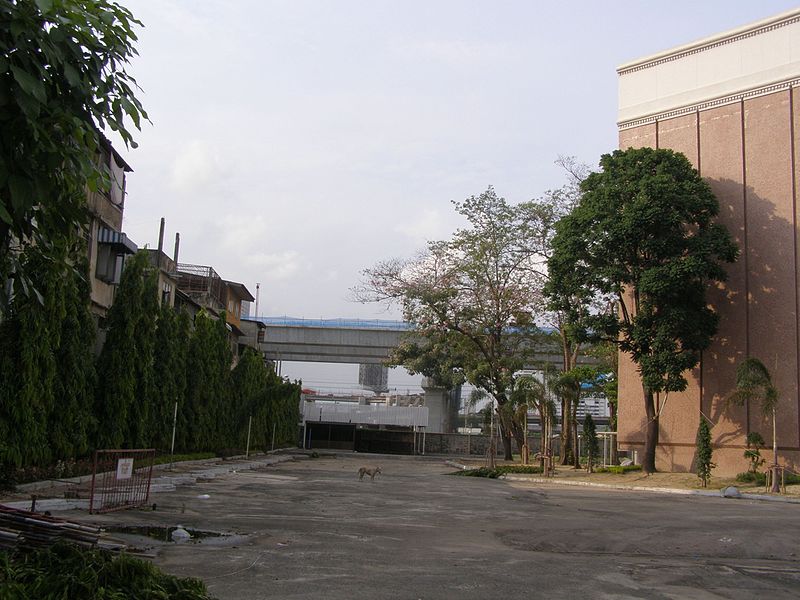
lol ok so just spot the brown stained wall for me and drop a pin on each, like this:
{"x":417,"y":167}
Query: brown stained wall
{"x":680,"y":414}
{"x":638,"y":137}
{"x":772,"y":323}
{"x":795,"y":110}
{"x":747,"y":153}
{"x":721,"y":151}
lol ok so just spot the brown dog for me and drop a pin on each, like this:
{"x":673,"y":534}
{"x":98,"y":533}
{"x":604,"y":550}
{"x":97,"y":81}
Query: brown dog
{"x":371,"y":472}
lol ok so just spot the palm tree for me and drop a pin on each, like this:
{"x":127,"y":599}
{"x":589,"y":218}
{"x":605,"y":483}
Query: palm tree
{"x":530,"y":392}
{"x":753,"y":382}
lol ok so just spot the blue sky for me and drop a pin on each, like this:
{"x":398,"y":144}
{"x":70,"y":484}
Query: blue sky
{"x":295,"y":143}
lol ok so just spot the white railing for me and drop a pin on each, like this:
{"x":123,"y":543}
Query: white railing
{"x":364,"y":414}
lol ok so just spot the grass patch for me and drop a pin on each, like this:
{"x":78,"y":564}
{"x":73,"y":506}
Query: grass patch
{"x":500,"y":470}
{"x":618,"y":469}
{"x":67,"y":571}
{"x":761,"y":478}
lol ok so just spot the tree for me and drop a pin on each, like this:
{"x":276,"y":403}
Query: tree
{"x":645,"y":233}
{"x":125,"y":366}
{"x":590,"y":442}
{"x":436,"y":357}
{"x":72,"y":423}
{"x":481,"y":289}
{"x":208,"y":371}
{"x":754,"y":383}
{"x":47,"y":363}
{"x":249,"y":379}
{"x":704,"y":452}
{"x":169,"y":375}
{"x":29,"y":336}
{"x":62,"y":82}
{"x":753,"y":444}
{"x":566,"y":318}
{"x":529,"y":392}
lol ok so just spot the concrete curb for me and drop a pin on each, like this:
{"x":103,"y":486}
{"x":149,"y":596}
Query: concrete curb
{"x":35,"y":486}
{"x":163,"y":481}
{"x":633,"y":488}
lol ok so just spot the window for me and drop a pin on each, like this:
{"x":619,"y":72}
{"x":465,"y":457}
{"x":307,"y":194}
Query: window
{"x":116,"y":176}
{"x":166,"y":293}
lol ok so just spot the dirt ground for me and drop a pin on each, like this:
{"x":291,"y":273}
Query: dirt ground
{"x":308,"y":528}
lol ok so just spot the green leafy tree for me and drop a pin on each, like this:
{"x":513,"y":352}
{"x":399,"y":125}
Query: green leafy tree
{"x":590,"y":441}
{"x":481,"y":289}
{"x":276,"y":413}
{"x":754,"y":384}
{"x":72,"y":422}
{"x":704,"y":452}
{"x":437,"y":357}
{"x":29,"y":336}
{"x":125,"y":365}
{"x":754,"y":442}
{"x":567,"y":317}
{"x":208,"y":371}
{"x":644,"y":233}
{"x":250,"y":379}
{"x":169,"y":376}
{"x":531,"y":393}
{"x":62,"y":82}
{"x":46,"y":363}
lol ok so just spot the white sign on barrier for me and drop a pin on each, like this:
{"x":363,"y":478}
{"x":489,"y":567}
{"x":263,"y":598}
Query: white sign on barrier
{"x":124,"y":468}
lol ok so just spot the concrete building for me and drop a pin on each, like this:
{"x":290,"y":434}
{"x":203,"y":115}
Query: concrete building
{"x":202,"y":286}
{"x":107,"y":245}
{"x":730,"y":104}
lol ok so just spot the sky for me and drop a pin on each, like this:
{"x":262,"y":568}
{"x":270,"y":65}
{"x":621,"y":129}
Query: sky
{"x":295,"y":143}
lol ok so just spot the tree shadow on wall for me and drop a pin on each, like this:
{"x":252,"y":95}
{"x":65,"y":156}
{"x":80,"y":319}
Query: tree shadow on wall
{"x":766,"y":326}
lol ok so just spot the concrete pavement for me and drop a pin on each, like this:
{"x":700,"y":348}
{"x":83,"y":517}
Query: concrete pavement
{"x":309,"y":528}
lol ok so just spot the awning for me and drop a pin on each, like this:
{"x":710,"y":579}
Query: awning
{"x":117,"y":240}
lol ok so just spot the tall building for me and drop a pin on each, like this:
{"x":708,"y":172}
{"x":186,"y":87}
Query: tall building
{"x":730,"y":104}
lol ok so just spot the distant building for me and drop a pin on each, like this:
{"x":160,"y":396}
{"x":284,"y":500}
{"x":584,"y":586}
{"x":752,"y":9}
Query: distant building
{"x":730,"y":104}
{"x":107,"y":245}
{"x":203,"y":286}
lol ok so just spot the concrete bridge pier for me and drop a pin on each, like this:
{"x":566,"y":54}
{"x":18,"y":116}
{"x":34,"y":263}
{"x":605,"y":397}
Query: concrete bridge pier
{"x":443,"y":405}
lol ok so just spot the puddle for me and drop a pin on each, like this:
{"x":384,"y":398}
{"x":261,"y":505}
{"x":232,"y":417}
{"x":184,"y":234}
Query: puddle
{"x":163,"y":534}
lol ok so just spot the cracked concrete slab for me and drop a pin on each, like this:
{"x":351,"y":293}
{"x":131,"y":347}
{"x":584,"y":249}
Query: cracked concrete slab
{"x":308,"y":528}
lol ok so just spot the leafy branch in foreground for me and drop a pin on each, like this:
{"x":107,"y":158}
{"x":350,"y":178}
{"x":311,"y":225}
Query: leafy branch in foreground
{"x":62,"y":82}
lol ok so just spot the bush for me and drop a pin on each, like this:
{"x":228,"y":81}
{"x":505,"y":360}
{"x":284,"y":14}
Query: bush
{"x":619,"y":469}
{"x":500,"y":470}
{"x":68,"y":571}
{"x":751,"y":477}
{"x":705,"y":451}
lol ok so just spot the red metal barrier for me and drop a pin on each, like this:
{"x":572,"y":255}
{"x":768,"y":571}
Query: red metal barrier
{"x":121,"y":479}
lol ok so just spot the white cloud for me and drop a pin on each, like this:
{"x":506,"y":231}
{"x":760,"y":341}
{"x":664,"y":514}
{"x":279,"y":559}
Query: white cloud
{"x":277,"y":266}
{"x":428,"y":226}
{"x":453,"y":52}
{"x":195,"y":166}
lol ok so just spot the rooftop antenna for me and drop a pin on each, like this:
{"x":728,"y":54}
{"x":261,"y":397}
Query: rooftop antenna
{"x":258,"y":291}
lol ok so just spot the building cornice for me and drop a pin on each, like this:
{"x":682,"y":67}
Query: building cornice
{"x":705,"y":44}
{"x":758,"y":59}
{"x":711,"y":103}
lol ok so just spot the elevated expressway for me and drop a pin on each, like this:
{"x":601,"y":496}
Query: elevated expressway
{"x":351,"y":341}
{"x":354,"y":341}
